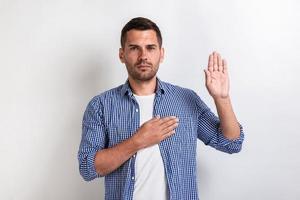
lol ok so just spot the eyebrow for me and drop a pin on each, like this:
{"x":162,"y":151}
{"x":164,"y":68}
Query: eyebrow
{"x":151,"y":45}
{"x":148,"y":45}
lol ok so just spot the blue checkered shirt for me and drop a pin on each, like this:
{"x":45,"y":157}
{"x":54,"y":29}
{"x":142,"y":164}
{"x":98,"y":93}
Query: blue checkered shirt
{"x":113,"y":117}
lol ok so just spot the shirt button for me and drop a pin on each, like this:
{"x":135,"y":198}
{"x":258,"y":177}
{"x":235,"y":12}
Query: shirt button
{"x":136,"y":110}
{"x":134,"y":156}
{"x":132,"y":178}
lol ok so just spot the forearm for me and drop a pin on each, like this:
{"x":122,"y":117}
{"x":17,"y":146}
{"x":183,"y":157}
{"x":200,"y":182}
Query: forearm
{"x":228,"y":122}
{"x":108,"y":160}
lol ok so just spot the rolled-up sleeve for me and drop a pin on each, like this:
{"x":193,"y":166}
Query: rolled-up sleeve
{"x":92,"y":140}
{"x":209,"y":131}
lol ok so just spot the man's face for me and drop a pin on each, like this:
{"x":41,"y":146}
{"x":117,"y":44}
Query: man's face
{"x":141,"y":54}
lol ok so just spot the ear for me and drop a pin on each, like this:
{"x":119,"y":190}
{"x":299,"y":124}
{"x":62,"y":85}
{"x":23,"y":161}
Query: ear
{"x":121,"y":55}
{"x":162,"y":55}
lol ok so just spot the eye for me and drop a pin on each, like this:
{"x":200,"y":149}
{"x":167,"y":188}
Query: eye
{"x":134,"y":48}
{"x":151,"y":48}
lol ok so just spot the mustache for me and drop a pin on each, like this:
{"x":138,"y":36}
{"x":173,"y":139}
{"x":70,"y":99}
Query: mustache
{"x":143,"y":62}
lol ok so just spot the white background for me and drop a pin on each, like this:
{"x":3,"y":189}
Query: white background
{"x":56,"y":55}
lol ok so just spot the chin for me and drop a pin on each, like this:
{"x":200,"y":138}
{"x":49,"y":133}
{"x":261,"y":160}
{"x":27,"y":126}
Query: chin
{"x":146,"y":78}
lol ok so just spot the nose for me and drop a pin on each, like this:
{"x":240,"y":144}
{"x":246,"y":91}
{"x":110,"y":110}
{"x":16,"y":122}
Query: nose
{"x":143,"y":54}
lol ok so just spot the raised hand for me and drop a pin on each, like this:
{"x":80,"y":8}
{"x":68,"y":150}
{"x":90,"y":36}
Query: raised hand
{"x":216,"y":76}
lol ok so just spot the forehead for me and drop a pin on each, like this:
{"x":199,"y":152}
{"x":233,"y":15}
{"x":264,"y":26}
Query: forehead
{"x":141,"y":37}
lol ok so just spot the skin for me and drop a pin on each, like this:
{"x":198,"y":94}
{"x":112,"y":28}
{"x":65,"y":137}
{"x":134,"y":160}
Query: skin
{"x":142,"y":55}
{"x":217,"y":84}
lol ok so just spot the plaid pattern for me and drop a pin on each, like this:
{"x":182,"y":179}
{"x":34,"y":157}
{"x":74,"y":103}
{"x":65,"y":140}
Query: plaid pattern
{"x":113,"y":117}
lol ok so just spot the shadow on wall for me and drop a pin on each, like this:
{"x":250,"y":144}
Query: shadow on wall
{"x":80,"y":76}
{"x":93,"y":78}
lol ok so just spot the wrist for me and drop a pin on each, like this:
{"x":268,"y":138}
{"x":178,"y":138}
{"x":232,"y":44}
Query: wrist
{"x":222,"y":100}
{"x":137,"y":142}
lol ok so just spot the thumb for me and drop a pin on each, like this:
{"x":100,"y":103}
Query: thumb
{"x":207,"y":76}
{"x":156,"y":117}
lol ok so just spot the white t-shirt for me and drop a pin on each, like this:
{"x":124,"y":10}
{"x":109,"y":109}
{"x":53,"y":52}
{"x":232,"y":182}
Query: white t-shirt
{"x":150,"y":178}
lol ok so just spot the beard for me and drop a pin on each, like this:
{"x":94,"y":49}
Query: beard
{"x":142,"y":71}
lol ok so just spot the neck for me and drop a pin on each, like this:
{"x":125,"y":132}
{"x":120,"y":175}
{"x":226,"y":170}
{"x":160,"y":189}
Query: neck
{"x":142,"y":88}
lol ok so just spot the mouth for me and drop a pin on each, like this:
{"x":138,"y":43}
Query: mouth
{"x":143,"y":66}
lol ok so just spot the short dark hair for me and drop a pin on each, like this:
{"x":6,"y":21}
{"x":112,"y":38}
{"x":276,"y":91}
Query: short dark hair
{"x":140,"y":23}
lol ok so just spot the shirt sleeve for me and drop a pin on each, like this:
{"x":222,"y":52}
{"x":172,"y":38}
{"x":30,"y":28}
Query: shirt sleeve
{"x":93,"y":139}
{"x":209,"y":131}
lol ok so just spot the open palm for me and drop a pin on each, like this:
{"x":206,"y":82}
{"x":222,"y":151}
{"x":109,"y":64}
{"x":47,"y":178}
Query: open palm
{"x":216,"y":76}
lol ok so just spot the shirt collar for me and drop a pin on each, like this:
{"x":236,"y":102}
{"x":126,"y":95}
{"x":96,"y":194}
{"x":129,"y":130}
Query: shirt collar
{"x":126,"y":89}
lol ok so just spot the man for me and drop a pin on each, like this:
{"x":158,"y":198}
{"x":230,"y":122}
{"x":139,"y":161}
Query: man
{"x":142,"y":135}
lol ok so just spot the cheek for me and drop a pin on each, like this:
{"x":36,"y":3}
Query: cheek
{"x":132,"y":55}
{"x":130,"y":58}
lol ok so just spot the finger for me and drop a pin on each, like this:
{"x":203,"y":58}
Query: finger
{"x":156,"y":118}
{"x":152,"y":120}
{"x":210,"y":63}
{"x":215,"y":61}
{"x":170,"y":128}
{"x":207,"y":76}
{"x":165,"y":119}
{"x":220,"y":64}
{"x":169,"y":124}
{"x":168,"y":134}
{"x":225,"y":68}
